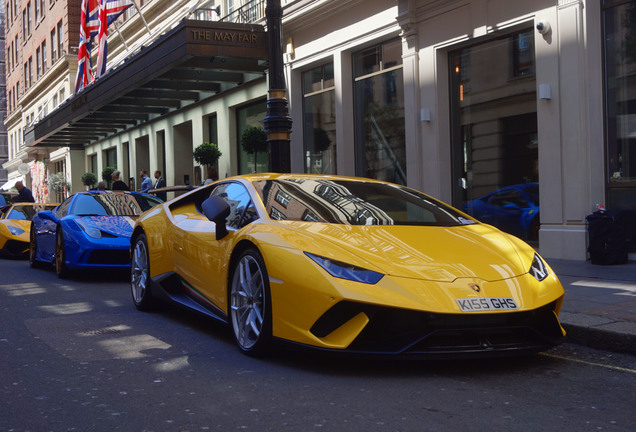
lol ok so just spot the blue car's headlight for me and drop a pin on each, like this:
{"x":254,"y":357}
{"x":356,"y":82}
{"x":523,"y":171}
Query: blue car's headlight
{"x":16,"y":231}
{"x":538,"y":269}
{"x":90,"y":231}
{"x":346,"y":271}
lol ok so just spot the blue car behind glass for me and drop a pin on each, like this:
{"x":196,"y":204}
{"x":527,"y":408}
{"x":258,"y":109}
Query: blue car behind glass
{"x":513,"y":209}
{"x":89,"y":229}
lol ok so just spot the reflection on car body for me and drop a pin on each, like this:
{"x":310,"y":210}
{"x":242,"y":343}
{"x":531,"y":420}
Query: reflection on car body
{"x":344,"y":264}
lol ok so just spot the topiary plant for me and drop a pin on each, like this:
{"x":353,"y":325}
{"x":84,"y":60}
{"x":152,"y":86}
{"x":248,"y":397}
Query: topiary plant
{"x":107,"y":174}
{"x":89,"y":179}
{"x":207,"y":154}
{"x":254,"y":140}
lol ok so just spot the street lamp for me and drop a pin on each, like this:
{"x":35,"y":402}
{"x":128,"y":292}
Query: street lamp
{"x":277,"y":121}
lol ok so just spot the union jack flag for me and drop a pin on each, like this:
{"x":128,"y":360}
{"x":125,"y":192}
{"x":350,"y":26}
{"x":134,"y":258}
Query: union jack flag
{"x":109,"y":11}
{"x":84,"y":65}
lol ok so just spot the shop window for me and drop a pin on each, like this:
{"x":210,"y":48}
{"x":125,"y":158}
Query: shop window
{"x":319,"y":120}
{"x":251,"y":115}
{"x":495,"y":154}
{"x":379,"y":112}
{"x":619,"y":28}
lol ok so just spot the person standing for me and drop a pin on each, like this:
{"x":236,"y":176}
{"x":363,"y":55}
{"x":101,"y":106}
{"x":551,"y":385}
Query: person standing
{"x":146,"y":183}
{"x":24,"y":193}
{"x":117,"y":183}
{"x":160,"y":183}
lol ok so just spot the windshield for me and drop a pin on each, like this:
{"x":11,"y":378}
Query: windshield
{"x":353,"y":203}
{"x":26,"y":212}
{"x":113,"y":204}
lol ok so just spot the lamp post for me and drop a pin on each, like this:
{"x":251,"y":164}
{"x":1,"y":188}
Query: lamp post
{"x":277,"y":121}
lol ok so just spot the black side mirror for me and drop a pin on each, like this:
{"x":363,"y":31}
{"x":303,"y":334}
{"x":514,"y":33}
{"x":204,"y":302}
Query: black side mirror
{"x":217,"y":210}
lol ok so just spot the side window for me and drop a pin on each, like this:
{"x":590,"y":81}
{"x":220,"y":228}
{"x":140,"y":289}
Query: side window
{"x":242,"y":210}
{"x":62,"y":210}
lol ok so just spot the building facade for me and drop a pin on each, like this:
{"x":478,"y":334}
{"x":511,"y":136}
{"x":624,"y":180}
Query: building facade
{"x":41,"y":60}
{"x":4,"y":155}
{"x":520,"y":108}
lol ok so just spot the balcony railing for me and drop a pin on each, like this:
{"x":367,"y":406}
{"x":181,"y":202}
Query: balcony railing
{"x":250,"y":12}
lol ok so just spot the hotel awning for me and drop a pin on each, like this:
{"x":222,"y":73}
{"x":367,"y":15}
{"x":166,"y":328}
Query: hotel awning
{"x":193,"y":61}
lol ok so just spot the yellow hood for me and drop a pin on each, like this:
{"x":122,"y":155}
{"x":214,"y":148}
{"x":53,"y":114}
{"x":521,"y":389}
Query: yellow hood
{"x":431,"y":253}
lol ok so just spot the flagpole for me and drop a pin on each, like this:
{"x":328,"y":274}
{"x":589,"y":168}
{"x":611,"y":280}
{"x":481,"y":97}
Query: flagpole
{"x":142,"y":17}
{"x":121,"y":37}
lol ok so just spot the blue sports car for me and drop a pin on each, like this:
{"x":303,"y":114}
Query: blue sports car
{"x":513,"y":209}
{"x":88,"y":230}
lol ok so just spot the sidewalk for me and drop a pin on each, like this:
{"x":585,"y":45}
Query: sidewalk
{"x":599,"y":310}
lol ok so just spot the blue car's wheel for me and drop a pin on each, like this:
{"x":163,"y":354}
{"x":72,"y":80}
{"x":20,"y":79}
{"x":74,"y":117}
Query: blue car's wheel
{"x":140,"y":274}
{"x":60,"y":266}
{"x":250,"y":304}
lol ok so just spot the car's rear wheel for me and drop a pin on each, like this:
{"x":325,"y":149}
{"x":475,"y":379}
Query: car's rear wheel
{"x":33,"y":249}
{"x":140,"y":274}
{"x":60,"y":255}
{"x":250,"y":304}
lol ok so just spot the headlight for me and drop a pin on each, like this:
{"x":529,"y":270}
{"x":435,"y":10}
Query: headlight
{"x":538,"y":269}
{"x":15,"y":230}
{"x":346,"y":271}
{"x":90,"y":231}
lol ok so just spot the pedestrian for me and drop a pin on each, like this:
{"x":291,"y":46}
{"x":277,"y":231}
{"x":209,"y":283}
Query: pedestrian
{"x":160,"y":183}
{"x":213,"y":176}
{"x":117,"y":183}
{"x":24,"y":193}
{"x":146,"y":183}
{"x":101,"y":186}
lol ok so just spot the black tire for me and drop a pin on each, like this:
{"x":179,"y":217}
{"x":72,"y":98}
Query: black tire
{"x":33,"y":248}
{"x":60,"y":255}
{"x":140,"y":283}
{"x":250,"y":305}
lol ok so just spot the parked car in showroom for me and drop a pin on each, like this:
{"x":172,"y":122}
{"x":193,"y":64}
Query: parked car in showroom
{"x":88,"y":230}
{"x":344,"y":264}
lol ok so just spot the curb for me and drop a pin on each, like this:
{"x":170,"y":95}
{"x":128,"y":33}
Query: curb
{"x":599,"y":333}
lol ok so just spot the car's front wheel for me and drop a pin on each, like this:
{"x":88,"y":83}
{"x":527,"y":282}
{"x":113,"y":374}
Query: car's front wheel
{"x":60,"y":255}
{"x":140,"y":274}
{"x":250,"y":304}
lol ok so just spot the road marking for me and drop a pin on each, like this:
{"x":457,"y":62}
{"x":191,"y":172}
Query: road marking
{"x":618,"y":368}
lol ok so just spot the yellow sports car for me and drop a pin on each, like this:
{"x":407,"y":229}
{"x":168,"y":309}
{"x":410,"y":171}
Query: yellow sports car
{"x":15,"y":225}
{"x":345,"y":264}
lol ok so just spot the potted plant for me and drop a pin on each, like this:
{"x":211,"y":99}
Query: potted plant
{"x":57,"y":183}
{"x":253,"y":141}
{"x":207,"y":154}
{"x":89,"y":179}
{"x":106,"y":175}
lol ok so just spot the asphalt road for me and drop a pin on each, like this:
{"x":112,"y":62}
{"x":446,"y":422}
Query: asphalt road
{"x":75,"y":355}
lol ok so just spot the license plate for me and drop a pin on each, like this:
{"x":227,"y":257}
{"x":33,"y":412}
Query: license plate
{"x":486,"y":304}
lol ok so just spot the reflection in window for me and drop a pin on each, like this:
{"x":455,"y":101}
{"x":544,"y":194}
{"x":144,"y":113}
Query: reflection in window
{"x":379,"y":113}
{"x":354,"y":203}
{"x":319,"y":120}
{"x":523,"y":53}
{"x":242,"y":210}
{"x":619,"y":31}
